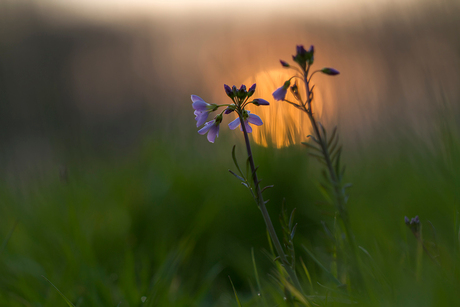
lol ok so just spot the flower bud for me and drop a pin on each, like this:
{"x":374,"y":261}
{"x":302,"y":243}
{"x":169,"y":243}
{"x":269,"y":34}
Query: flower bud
{"x":284,"y":64}
{"x":229,"y":109}
{"x":295,"y":91}
{"x":228,"y":91}
{"x":251,"y":90}
{"x":218,"y":119}
{"x":260,"y":102}
{"x":301,"y":57}
{"x":242,"y":93}
{"x":310,"y":55}
{"x":330,"y":71}
{"x":234,"y":90}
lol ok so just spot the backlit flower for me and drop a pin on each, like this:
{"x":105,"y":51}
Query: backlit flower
{"x":248,"y":119}
{"x":202,"y":109}
{"x":212,"y":128}
{"x":280,"y":93}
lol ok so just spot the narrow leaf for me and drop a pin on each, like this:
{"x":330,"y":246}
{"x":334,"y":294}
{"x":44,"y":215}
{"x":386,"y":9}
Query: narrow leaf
{"x":267,"y":187}
{"x":322,"y":266}
{"x":234,"y":291}
{"x":333,"y":146}
{"x":312,"y":147}
{"x":313,"y":138}
{"x":291,"y":218}
{"x":334,"y":132}
{"x":307,"y":273}
{"x":239,"y":177}
{"x":235,"y":161}
{"x":323,"y":130}
{"x":62,"y":295}
{"x":293,"y":231}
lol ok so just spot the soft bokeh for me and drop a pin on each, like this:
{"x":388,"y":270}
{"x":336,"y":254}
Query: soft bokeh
{"x":109,"y":192}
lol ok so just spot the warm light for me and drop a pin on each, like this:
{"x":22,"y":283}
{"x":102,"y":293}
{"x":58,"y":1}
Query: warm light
{"x":284,"y":124}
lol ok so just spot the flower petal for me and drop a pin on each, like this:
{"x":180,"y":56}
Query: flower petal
{"x":213,"y":133}
{"x":201,"y":117}
{"x":206,"y":127}
{"x":280,"y":93}
{"x":254,"y":119}
{"x":234,"y":124}
{"x":199,"y":104}
{"x":248,"y":127}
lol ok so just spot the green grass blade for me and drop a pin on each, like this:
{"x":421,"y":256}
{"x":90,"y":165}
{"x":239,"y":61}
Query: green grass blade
{"x":234,"y":291}
{"x":62,"y":295}
{"x":322,"y":266}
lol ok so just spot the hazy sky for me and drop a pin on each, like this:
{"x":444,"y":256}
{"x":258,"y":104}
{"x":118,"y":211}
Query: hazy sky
{"x":322,"y":9}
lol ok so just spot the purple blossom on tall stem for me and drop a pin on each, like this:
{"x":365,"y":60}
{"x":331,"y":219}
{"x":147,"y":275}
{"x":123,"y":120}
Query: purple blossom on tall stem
{"x":212,"y":128}
{"x":202,"y":109}
{"x":240,"y":98}
{"x":248,"y":118}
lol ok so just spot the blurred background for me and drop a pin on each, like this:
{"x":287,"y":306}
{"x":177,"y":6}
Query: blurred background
{"x":109,"y":192}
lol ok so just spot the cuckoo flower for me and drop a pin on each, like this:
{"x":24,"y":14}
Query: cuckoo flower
{"x":247,"y":119}
{"x":202,"y":109}
{"x":280,"y":93}
{"x":212,"y":128}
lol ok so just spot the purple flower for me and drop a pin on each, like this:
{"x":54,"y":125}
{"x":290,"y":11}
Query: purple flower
{"x":260,"y":102}
{"x":330,"y":71}
{"x":200,"y":117}
{"x":415,"y":220}
{"x":301,"y":50}
{"x":202,"y":109}
{"x":280,"y":93}
{"x":199,"y":104}
{"x":248,"y":118}
{"x":406,"y":220}
{"x":212,"y":128}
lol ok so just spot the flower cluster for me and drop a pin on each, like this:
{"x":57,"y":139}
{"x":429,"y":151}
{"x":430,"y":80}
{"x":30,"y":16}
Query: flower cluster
{"x":413,"y":224}
{"x":304,"y":58}
{"x":240,"y":98}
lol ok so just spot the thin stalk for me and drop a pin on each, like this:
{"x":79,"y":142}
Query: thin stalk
{"x":339,"y":192}
{"x":266,"y":216}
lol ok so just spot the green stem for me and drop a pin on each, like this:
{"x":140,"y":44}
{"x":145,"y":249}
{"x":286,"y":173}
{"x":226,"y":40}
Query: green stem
{"x":266,"y":216}
{"x":339,"y":192}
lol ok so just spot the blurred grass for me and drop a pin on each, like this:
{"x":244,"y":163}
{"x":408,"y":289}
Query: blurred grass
{"x":170,"y":224}
{"x":163,"y":223}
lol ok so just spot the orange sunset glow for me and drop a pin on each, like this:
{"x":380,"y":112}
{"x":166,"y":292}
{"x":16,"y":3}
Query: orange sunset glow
{"x":284,"y":125}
